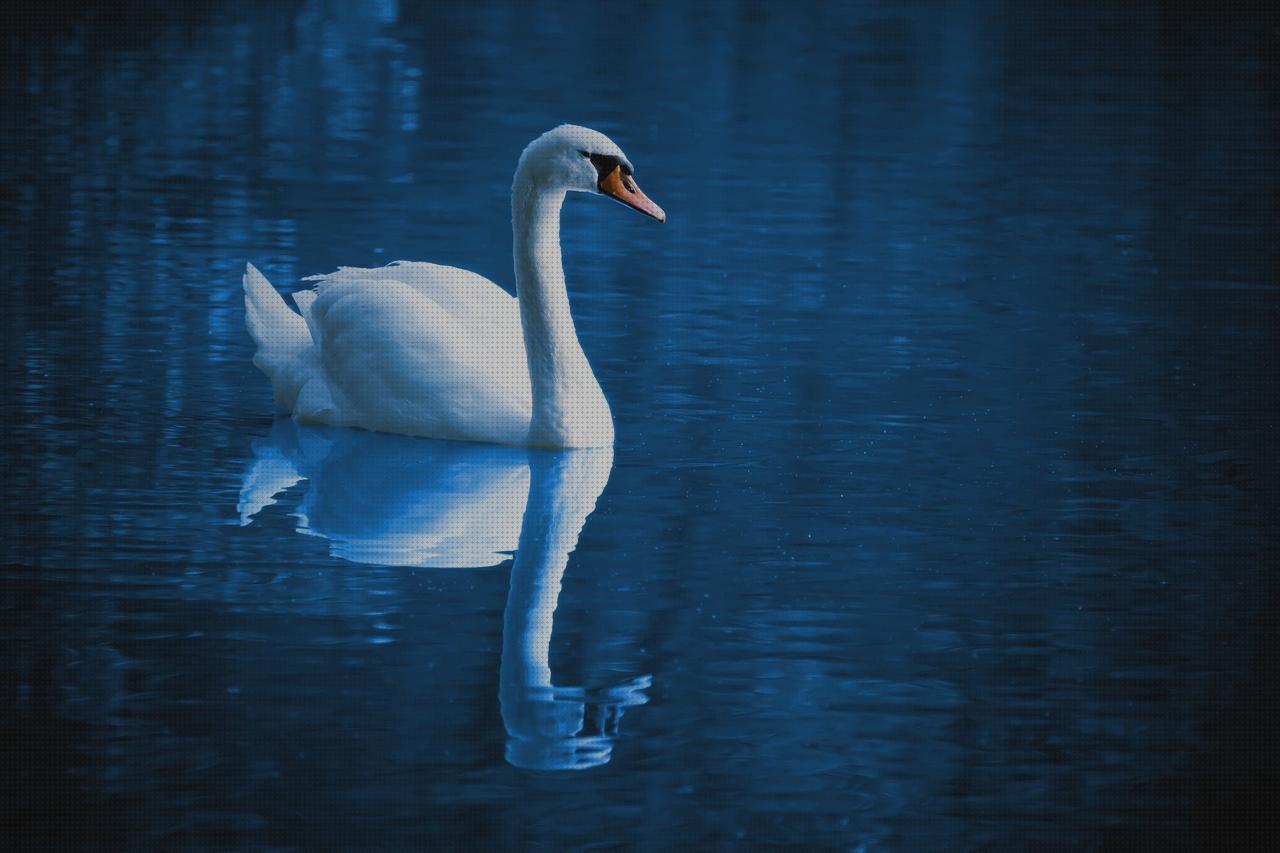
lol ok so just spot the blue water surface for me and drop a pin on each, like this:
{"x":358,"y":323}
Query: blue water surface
{"x":941,"y":510}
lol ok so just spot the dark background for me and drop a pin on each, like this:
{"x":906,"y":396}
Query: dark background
{"x":943,"y":511}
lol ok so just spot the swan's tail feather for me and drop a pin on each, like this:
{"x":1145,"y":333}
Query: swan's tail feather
{"x":280,"y":333}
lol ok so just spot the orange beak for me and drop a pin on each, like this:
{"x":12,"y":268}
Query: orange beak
{"x":617,"y":184}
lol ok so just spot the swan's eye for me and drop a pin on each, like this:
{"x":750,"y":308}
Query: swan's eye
{"x":604,"y":163}
{"x":586,"y":154}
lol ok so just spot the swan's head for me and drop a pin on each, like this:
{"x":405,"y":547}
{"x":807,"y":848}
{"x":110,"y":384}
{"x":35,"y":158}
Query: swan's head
{"x":585,"y":160}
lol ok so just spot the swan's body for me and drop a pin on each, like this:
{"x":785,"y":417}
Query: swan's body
{"x":428,"y":350}
{"x":412,"y":348}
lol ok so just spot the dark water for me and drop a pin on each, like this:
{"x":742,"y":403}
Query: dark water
{"x":942,"y":510}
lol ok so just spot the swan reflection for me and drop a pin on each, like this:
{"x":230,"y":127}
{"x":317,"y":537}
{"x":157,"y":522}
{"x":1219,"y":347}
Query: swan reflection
{"x":548,"y":725}
{"x":389,"y":499}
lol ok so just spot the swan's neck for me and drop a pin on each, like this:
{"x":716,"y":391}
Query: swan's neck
{"x":569,"y":410}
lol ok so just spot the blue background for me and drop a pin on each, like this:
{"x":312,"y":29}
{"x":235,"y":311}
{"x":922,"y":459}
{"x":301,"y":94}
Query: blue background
{"x":943,"y":509}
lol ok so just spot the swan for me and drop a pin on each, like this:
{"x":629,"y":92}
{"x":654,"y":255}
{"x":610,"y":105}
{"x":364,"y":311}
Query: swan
{"x":427,"y":350}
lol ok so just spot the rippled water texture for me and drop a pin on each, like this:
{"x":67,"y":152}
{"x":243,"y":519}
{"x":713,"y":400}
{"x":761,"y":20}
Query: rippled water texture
{"x":942,"y":509}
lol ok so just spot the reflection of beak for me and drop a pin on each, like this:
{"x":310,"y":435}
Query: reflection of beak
{"x":619,"y":185}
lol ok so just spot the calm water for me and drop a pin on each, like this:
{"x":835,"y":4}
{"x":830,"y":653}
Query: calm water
{"x":942,"y":505}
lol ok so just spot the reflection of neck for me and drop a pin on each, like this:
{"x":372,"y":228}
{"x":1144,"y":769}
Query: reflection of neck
{"x":566,"y":397}
{"x":563,"y":489}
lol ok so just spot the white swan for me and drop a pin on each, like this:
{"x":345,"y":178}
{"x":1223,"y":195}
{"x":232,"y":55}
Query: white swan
{"x":428,"y":350}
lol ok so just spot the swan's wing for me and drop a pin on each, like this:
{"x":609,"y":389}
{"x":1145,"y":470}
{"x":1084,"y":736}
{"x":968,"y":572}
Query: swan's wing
{"x":467,"y":297}
{"x":441,"y":354}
